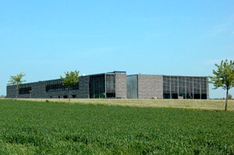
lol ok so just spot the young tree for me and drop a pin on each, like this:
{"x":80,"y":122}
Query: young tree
{"x":17,"y":81}
{"x":223,"y":77}
{"x":70,"y":79}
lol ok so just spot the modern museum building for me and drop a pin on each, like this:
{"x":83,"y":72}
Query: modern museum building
{"x":118,"y":85}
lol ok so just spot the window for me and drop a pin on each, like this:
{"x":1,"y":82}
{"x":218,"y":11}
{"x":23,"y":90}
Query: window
{"x":110,"y":83}
{"x":186,"y":87}
{"x":56,"y":85}
{"x":132,"y":87}
{"x":204,"y":96}
{"x":110,"y":95}
{"x":166,"y":86}
{"x":97,"y":86}
{"x":167,"y":96}
{"x":25,"y":89}
{"x":196,"y":96}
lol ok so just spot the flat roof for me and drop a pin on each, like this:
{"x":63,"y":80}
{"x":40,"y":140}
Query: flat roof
{"x":114,"y":72}
{"x":167,"y":75}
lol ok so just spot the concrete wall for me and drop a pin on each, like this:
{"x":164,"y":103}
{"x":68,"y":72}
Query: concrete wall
{"x":150,"y":86}
{"x":120,"y":86}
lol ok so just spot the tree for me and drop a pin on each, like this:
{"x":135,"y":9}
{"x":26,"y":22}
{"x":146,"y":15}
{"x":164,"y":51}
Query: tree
{"x":223,"y":77}
{"x":17,"y":81}
{"x":70,"y":79}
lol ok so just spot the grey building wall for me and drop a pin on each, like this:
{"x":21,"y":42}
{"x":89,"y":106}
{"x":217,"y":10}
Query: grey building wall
{"x":39,"y":90}
{"x":82,"y":92}
{"x":150,"y":86}
{"x":10,"y":92}
{"x":120,"y":86}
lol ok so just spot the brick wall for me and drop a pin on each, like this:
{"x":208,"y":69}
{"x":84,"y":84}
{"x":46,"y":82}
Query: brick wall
{"x":120,"y":86}
{"x":150,"y":86}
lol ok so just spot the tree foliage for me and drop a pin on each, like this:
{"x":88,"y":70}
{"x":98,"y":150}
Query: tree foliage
{"x":223,"y":77}
{"x":17,"y":81}
{"x":70,"y":79}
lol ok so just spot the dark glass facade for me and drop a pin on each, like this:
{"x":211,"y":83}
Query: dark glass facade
{"x":97,"y":86}
{"x":175,"y":87}
{"x":110,"y":85}
{"x":102,"y":86}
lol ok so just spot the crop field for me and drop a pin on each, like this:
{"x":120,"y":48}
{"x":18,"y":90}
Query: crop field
{"x":28,"y":127}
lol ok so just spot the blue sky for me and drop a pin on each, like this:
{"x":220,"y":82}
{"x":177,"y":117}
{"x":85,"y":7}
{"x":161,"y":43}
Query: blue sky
{"x":45,"y":38}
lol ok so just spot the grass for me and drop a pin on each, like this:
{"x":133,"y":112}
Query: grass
{"x":173,"y":103}
{"x":51,"y":128}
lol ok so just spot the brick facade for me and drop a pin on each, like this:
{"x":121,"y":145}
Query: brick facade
{"x":120,"y":86}
{"x":150,"y":86}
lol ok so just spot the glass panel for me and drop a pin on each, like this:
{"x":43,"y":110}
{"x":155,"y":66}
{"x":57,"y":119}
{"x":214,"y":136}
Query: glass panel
{"x":166,"y":96}
{"x":25,"y":90}
{"x":182,"y":87}
{"x":132,"y":86}
{"x":166,"y":86}
{"x":110,"y":83}
{"x":56,"y":85}
{"x":189,"y":87}
{"x":174,"y":84}
{"x":204,"y":96}
{"x":196,"y":85}
{"x":196,"y":96}
{"x":97,"y":86}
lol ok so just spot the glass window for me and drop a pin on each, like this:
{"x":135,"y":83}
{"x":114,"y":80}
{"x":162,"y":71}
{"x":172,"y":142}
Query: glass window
{"x":110,"y":83}
{"x":132,"y":86}
{"x":25,"y":89}
{"x":56,"y":85}
{"x":97,"y":86}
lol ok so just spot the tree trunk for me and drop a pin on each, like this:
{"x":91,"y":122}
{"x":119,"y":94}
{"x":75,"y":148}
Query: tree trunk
{"x":226,"y":100}
{"x":16,"y":92}
{"x":69,"y":94}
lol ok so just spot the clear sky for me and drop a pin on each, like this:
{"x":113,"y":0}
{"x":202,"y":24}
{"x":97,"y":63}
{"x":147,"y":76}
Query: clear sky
{"x":45,"y":38}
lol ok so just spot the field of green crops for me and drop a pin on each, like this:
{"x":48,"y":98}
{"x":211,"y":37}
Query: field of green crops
{"x":57,"y":128}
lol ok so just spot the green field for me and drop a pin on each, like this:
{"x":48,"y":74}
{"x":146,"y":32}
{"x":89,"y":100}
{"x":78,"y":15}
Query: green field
{"x":52,"y":128}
